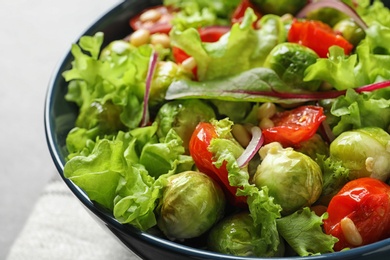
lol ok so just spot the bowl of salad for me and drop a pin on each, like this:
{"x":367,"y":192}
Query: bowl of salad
{"x":230,"y":129}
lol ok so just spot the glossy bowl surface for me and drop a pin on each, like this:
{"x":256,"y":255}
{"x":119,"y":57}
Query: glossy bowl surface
{"x":59,"y":118}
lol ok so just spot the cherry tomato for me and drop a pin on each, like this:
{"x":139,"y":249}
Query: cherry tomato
{"x":292,"y":127}
{"x":203,"y":158}
{"x":239,"y":12}
{"x":318,"y":36}
{"x":161,"y":25}
{"x":365,"y":202}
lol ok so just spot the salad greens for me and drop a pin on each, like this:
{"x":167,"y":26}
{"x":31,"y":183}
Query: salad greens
{"x":146,"y":176}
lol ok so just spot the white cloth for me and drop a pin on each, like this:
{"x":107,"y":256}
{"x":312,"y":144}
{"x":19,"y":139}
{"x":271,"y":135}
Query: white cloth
{"x":59,"y":227}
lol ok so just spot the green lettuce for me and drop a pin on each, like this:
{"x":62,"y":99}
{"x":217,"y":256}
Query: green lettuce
{"x":244,"y":45}
{"x":119,"y":78}
{"x":302,"y":231}
{"x":355,"y":110}
{"x":114,"y":173}
{"x":370,"y":63}
{"x":261,"y":206}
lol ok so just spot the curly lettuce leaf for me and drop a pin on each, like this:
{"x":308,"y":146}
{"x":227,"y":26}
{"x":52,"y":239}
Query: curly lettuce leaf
{"x":302,"y":231}
{"x":221,"y":8}
{"x":335,"y":175}
{"x":261,"y":206}
{"x":243,"y":44}
{"x":119,"y":78}
{"x":355,"y":110}
{"x":370,"y":63}
{"x":112,"y":172}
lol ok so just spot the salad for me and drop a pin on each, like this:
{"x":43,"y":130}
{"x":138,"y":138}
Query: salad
{"x":251,"y":128}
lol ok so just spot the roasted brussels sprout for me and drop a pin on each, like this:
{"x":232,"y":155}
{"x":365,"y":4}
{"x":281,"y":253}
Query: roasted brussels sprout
{"x":183,"y":116}
{"x":237,"y":235}
{"x":289,"y":61}
{"x":191,"y":204}
{"x":293,"y":178}
{"x":279,"y":7}
{"x":365,"y":152}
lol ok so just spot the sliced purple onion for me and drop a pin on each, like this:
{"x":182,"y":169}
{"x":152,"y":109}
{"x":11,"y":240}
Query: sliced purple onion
{"x":252,"y":148}
{"x":149,"y":78}
{"x":338,"y":5}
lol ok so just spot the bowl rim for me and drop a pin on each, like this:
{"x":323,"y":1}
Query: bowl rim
{"x":54,"y":149}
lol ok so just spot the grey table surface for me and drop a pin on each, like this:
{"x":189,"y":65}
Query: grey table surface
{"x":34,"y":35}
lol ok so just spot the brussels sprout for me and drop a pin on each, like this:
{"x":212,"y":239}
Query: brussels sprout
{"x":327,"y":15}
{"x":350,"y":31}
{"x":280,"y":7}
{"x":293,"y":178}
{"x":237,"y":235}
{"x":191,"y":204}
{"x":236,"y":111}
{"x":165,"y":73}
{"x":183,"y":116}
{"x":289,"y":61}
{"x":313,"y":147}
{"x":365,"y":152}
{"x":105,"y":116}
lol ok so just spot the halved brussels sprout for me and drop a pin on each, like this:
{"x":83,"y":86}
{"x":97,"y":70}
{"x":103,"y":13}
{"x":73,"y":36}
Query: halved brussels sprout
{"x":365,"y":152}
{"x":191,"y":204}
{"x":293,"y":178}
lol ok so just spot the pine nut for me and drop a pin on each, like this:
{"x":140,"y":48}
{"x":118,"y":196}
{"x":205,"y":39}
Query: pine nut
{"x":370,"y":162}
{"x":150,"y":15}
{"x":266,"y":123}
{"x":242,"y":136}
{"x":189,"y":64}
{"x":160,"y":38}
{"x":266,"y":110}
{"x":350,"y":231}
{"x":140,"y":37}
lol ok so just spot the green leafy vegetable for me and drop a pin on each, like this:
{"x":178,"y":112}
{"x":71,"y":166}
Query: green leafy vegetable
{"x":302,"y":231}
{"x":261,"y":206}
{"x":243,"y":44}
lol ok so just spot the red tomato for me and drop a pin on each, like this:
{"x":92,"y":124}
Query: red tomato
{"x":162,"y":25}
{"x":203,"y":158}
{"x":318,"y":36}
{"x":366,"y":202}
{"x":292,"y":127}
{"x":239,"y":12}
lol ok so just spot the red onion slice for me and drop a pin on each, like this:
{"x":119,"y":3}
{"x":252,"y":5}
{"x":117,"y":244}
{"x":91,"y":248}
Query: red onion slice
{"x":149,"y":78}
{"x":338,"y":5}
{"x":252,"y":148}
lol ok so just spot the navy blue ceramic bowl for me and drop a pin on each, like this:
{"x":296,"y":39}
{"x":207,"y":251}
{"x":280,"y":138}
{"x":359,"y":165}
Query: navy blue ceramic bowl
{"x":59,"y":118}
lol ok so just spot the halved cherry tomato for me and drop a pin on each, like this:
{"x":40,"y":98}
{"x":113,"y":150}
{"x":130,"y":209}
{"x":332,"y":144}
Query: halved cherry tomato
{"x":161,"y":25}
{"x":239,"y":12}
{"x":318,"y":36}
{"x":203,"y":158}
{"x":294,"y":126}
{"x":365,"y":202}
